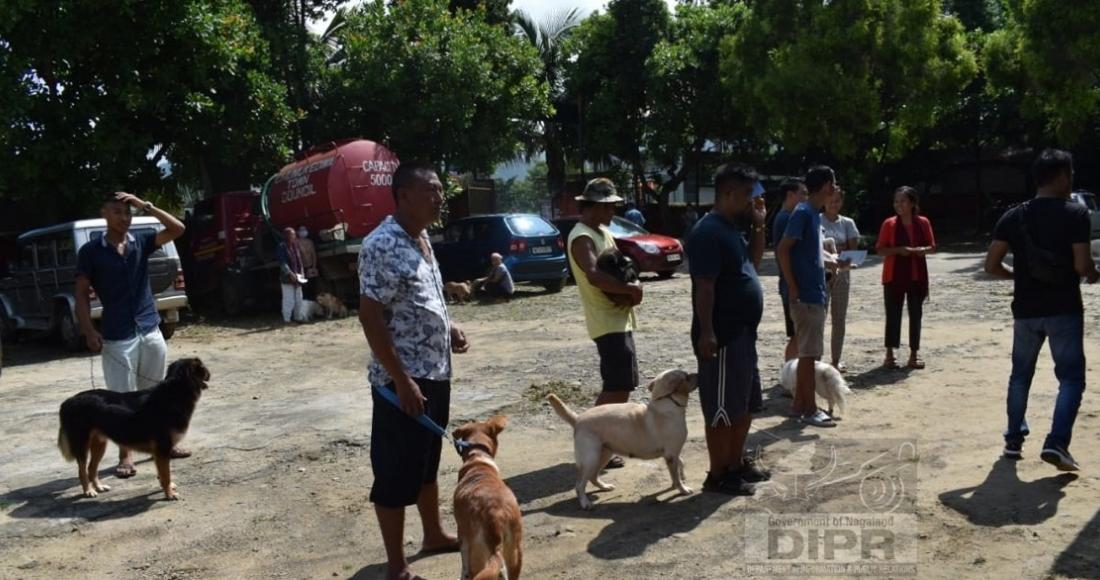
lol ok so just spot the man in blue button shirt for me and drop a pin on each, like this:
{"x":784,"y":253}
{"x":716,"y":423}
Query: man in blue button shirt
{"x":116,"y":267}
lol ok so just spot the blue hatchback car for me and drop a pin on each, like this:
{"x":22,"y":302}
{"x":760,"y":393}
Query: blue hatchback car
{"x":532,"y":248}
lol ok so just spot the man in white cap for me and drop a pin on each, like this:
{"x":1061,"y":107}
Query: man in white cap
{"x":608,"y":303}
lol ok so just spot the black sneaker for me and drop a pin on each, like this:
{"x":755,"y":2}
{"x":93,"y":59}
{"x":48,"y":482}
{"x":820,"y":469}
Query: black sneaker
{"x":750,"y":472}
{"x":1058,"y":456}
{"x":729,"y":484}
{"x":1014,"y":450}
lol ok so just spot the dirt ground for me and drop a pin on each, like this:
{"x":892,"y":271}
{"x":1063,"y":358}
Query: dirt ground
{"x":278,"y":484}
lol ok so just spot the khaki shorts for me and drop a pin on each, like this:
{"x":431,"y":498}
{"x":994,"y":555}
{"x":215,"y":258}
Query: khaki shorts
{"x":809,"y":328}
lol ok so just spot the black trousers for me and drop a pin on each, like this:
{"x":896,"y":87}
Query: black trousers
{"x":894,"y":301}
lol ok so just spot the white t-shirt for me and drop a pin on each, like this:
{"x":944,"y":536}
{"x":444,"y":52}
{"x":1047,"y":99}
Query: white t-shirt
{"x":842,"y":230}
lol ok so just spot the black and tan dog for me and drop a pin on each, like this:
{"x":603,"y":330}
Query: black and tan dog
{"x":618,"y":264}
{"x":150,"y":421}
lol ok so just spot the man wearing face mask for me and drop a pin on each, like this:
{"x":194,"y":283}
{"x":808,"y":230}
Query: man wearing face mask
{"x":309,"y":263}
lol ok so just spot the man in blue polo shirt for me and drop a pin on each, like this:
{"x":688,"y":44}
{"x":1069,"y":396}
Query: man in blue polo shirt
{"x":116,"y":267}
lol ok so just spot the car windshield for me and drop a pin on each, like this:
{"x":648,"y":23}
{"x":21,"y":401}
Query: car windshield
{"x":623,"y":228}
{"x":530,"y":225}
{"x":1087,"y":199}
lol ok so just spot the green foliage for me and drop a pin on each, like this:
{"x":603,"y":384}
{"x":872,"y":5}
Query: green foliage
{"x":448,"y":88}
{"x":525,"y":195}
{"x":685,"y":87}
{"x":858,"y":80}
{"x":90,"y":105}
{"x":1048,"y":54}
{"x":495,"y":11}
{"x":609,"y":74}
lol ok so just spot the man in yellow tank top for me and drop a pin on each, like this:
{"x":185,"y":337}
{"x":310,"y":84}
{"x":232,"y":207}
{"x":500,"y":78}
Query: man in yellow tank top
{"x":608,"y":303}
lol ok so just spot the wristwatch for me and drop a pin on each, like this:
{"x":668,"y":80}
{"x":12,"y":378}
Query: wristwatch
{"x":758,"y":229}
{"x":148,"y":205}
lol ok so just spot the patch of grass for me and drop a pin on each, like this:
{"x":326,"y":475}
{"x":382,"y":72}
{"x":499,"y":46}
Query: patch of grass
{"x":571,"y":393}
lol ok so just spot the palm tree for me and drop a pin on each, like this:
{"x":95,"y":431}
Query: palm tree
{"x":547,"y":37}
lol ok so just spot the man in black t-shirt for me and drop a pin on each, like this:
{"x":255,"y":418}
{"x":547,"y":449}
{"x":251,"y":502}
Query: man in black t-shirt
{"x":1049,"y":240}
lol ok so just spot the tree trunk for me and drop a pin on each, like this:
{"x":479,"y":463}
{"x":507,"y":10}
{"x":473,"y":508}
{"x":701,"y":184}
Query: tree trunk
{"x":555,"y":161}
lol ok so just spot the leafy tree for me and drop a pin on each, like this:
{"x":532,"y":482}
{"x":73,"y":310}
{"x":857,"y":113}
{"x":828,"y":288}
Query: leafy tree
{"x":692,"y":109}
{"x":496,"y":11}
{"x":548,"y":37}
{"x":525,"y":195}
{"x":1048,"y":54}
{"x":609,"y":75}
{"x":294,"y":54}
{"x":91,"y":106}
{"x":858,"y":82}
{"x":448,"y":88}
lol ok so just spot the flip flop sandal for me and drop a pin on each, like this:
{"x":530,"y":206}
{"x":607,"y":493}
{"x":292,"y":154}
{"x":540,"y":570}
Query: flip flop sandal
{"x":178,"y":453}
{"x":125,"y":471}
{"x":891,"y":364}
{"x":915,"y":364}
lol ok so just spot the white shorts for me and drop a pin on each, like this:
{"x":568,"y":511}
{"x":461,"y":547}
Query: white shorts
{"x":135,"y":363}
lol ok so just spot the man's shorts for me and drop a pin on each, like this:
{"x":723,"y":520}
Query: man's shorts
{"x":404,"y":455}
{"x":809,"y":326}
{"x":618,"y":361}
{"x":726,"y":382}
{"x":787,"y":322}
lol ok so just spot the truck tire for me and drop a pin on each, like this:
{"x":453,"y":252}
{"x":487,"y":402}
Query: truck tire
{"x":232,"y":296}
{"x":68,"y":333}
{"x":167,"y":329}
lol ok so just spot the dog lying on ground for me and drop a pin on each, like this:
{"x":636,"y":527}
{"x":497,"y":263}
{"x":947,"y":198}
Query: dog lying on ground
{"x":490,"y":524}
{"x":150,"y":421}
{"x":829,"y":384}
{"x":456,"y":291}
{"x":658,"y":429}
{"x":333,"y":306}
{"x":310,"y":310}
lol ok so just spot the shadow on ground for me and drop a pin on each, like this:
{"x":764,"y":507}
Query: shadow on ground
{"x":1004,"y":500}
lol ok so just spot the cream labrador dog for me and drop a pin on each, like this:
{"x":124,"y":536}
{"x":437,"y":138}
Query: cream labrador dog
{"x":645,"y":431}
{"x":829,"y":384}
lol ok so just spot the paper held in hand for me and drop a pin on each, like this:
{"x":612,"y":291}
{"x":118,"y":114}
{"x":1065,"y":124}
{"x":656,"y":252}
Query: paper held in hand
{"x":856,"y":256}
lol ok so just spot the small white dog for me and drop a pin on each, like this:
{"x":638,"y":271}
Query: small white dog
{"x":310,"y":310}
{"x":658,"y":429}
{"x":829,"y":384}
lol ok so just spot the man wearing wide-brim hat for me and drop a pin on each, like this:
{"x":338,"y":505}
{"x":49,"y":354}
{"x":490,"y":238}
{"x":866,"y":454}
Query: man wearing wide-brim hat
{"x":608,"y":303}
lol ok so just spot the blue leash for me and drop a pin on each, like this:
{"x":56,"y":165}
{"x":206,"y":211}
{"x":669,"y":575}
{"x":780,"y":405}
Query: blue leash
{"x":424,"y":420}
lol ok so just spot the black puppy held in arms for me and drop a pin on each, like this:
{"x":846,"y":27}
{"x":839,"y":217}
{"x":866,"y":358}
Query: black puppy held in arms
{"x":150,"y":421}
{"x":618,"y":264}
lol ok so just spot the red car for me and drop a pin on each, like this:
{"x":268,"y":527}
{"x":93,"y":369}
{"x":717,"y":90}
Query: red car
{"x":653,"y":252}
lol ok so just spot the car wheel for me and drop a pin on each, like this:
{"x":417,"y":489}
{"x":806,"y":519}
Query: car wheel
{"x":167,"y":329}
{"x":665,"y":275}
{"x":7,"y":329}
{"x":554,"y":285}
{"x":67,"y":330}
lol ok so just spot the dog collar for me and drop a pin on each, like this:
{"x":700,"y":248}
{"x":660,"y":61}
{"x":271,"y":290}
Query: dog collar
{"x":465,"y":447}
{"x":674,"y":401}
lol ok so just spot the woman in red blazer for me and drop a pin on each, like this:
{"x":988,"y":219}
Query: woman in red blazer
{"x":905,"y":239}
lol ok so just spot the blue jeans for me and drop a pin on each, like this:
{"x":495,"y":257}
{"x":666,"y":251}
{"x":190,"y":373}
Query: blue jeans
{"x":1066,"y":334}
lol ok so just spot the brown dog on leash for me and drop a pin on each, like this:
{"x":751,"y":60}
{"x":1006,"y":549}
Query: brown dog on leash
{"x":150,"y":421}
{"x":490,"y":525}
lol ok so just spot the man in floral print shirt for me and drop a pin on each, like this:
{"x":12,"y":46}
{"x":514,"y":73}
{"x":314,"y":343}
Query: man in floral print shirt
{"x":405,"y":320}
